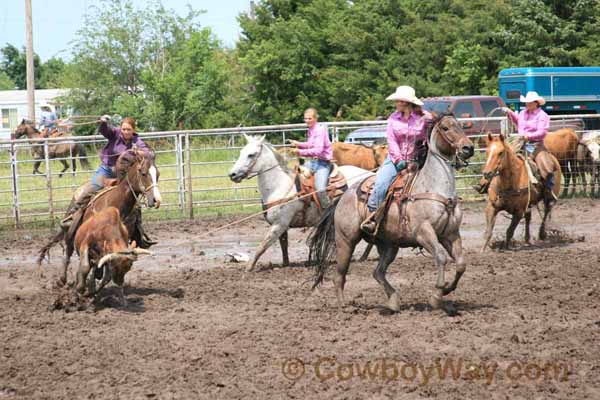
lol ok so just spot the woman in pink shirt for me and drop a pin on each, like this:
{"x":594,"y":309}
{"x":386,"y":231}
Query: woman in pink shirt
{"x":532,"y":124}
{"x":405,"y":127}
{"x":318,"y":147}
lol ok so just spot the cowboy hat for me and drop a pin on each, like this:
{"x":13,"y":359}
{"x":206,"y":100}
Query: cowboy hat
{"x":405,"y":93}
{"x":532,"y":96}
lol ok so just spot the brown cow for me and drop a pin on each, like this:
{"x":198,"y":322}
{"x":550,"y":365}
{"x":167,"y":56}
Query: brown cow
{"x":360,"y":156}
{"x":102,"y":240}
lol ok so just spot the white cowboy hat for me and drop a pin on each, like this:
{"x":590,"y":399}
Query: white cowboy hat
{"x":405,"y":93}
{"x":532,"y":96}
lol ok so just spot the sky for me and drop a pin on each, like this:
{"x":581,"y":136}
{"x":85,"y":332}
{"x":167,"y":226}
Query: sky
{"x":55,"y":22}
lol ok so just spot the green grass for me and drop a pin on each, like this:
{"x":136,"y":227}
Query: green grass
{"x":214,"y":193}
{"x":207,"y":170}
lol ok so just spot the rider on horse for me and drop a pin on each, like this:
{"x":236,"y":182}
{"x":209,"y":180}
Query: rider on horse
{"x":533,"y":124}
{"x":48,"y":118}
{"x":405,"y":128}
{"x":319,"y":148}
{"x":119,"y":141}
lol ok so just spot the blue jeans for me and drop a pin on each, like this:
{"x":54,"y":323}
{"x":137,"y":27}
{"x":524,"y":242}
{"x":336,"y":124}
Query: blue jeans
{"x":530,"y":147}
{"x":102,"y":172}
{"x":321,"y":170}
{"x":385,"y":176}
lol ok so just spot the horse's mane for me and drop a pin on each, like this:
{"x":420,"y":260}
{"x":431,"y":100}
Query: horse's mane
{"x":278,"y":156}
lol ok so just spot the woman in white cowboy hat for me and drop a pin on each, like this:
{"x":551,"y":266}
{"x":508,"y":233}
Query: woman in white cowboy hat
{"x":532,"y":124}
{"x":405,"y":128}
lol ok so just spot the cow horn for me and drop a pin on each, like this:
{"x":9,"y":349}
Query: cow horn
{"x":107,"y":258}
{"x":139,"y":251}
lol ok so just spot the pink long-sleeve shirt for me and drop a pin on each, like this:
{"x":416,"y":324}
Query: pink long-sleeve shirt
{"x":318,"y":144}
{"x":403,"y":134}
{"x":534,"y":124}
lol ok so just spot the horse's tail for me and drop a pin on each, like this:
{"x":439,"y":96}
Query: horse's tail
{"x":321,"y":243}
{"x":83,"y":156}
{"x":55,"y":239}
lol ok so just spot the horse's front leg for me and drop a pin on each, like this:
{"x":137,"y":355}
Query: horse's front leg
{"x":428,"y":239}
{"x":453,"y":244}
{"x":65,"y":167}
{"x":36,"y":167}
{"x":527,"y":225}
{"x":275,"y":231}
{"x":510,"y":232}
{"x":62,"y":272}
{"x":490,"y":218}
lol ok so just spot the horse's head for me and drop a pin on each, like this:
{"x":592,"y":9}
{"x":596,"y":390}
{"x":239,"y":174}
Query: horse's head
{"x":496,"y":159}
{"x":380,"y":152}
{"x":249,"y":163}
{"x":590,"y":141}
{"x":25,"y":128}
{"x":139,"y":168}
{"x":449,"y":139}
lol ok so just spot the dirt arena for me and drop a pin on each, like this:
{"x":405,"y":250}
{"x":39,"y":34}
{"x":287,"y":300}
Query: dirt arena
{"x":197,"y":326}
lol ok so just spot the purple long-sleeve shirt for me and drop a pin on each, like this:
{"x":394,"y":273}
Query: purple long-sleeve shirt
{"x":117,"y":144}
{"x":318,"y":144}
{"x":534,"y":124}
{"x":403,"y":134}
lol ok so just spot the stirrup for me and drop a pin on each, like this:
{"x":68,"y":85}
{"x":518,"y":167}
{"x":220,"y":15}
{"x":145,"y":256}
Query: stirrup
{"x":369,"y":225}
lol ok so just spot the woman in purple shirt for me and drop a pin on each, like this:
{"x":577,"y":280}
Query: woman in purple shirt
{"x":532,"y":124}
{"x":119,"y":140}
{"x":405,"y":127}
{"x":318,"y":147}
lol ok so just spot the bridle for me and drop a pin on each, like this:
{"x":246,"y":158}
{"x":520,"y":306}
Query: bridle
{"x":143,"y":189}
{"x":249,"y":175}
{"x":457,"y":162}
{"x":496,"y":171}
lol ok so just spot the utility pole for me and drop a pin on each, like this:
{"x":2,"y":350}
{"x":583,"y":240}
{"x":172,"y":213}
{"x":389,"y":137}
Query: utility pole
{"x":30,"y":70}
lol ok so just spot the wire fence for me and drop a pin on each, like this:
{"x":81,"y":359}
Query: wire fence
{"x":193,"y":167}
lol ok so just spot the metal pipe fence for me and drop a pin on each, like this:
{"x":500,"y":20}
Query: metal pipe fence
{"x":193,"y":167}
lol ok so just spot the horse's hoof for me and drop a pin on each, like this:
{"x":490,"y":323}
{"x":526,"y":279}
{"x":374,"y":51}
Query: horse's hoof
{"x":543,"y":236}
{"x":435,"y":301}
{"x":394,"y":302}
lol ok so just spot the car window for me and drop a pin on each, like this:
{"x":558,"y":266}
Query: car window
{"x":464,"y":107}
{"x":437,"y":107}
{"x":491,"y":108}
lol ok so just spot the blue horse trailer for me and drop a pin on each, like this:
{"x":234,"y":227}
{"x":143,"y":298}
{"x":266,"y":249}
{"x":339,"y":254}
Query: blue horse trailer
{"x":567,"y":90}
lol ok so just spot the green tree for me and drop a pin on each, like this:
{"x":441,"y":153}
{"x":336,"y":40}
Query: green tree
{"x":5,"y":82}
{"x":14,"y":64}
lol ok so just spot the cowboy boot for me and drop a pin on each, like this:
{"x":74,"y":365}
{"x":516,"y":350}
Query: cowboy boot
{"x":369,"y":225}
{"x":80,"y":200}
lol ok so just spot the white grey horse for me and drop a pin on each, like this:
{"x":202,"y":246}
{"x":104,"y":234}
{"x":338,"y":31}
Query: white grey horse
{"x":432,"y":220}
{"x":276,"y":183}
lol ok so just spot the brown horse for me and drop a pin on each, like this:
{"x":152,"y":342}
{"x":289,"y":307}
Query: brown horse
{"x":562,"y":144}
{"x":429,"y":217}
{"x":55,"y":150}
{"x":360,"y":156}
{"x":510,"y":189}
{"x":138,"y":178}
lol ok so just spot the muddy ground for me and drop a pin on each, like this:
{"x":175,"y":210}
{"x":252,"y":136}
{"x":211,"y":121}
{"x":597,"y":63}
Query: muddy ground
{"x":197,"y":326}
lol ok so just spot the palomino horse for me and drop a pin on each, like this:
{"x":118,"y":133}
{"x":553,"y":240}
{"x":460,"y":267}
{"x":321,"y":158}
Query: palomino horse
{"x":58,"y":150}
{"x":588,"y":161}
{"x":359,"y":155}
{"x":562,"y":144}
{"x":138,"y":178}
{"x":510,"y":189}
{"x":276,"y":183}
{"x":429,"y":217}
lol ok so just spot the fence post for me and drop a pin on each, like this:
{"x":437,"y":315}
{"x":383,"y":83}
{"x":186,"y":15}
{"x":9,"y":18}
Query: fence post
{"x":15,"y":184}
{"x":179,"y":172}
{"x":189,"y":188}
{"x":504,"y":126}
{"x":49,"y":182}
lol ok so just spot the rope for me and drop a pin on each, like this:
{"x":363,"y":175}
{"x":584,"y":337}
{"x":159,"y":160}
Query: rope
{"x":275,"y":206}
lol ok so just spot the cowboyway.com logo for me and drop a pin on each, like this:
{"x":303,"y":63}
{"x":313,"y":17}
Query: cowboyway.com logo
{"x":423,"y":373}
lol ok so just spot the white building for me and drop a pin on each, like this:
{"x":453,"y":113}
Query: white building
{"x":13,"y":107}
